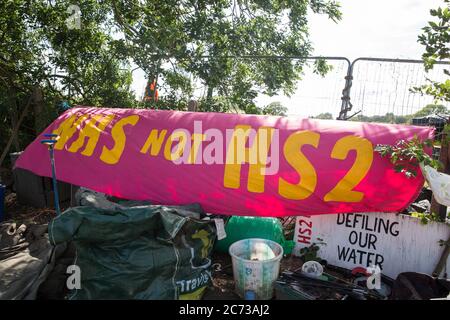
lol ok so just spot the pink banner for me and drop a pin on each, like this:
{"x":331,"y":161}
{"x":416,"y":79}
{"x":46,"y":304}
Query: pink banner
{"x":231,"y":164}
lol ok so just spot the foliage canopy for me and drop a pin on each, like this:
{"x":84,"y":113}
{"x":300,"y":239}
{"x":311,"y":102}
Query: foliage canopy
{"x":436,"y":39}
{"x":90,"y":63}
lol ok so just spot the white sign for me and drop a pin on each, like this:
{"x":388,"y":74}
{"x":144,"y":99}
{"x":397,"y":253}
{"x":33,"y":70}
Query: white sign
{"x":395,"y":242}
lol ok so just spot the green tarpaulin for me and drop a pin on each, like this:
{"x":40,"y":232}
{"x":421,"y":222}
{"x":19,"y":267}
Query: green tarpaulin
{"x":140,"y":252}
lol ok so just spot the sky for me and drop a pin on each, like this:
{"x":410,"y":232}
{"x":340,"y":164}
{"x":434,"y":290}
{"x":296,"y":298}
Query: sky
{"x":369,"y":28}
{"x":373,"y":28}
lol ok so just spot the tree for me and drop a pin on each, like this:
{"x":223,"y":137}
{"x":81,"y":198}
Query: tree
{"x":436,"y":39}
{"x":325,"y":115}
{"x":37,"y":40}
{"x":170,"y":39}
{"x":431,"y":109}
{"x":39,"y":49}
{"x":387,"y":118}
{"x":274,"y":108}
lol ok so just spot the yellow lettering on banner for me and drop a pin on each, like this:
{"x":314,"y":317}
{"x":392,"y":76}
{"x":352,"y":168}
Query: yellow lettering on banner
{"x":256,"y":156}
{"x":343,"y":191}
{"x":197,"y":139}
{"x":181,"y":145}
{"x":67,"y":129}
{"x":91,"y":131}
{"x":295,"y":157}
{"x":154,"y":142}
{"x":235,"y":156}
{"x":112,"y":156}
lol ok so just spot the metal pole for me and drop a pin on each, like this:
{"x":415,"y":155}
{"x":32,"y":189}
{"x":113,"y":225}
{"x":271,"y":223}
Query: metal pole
{"x":51,"y":143}
{"x":55,"y":185}
{"x":346,"y":104}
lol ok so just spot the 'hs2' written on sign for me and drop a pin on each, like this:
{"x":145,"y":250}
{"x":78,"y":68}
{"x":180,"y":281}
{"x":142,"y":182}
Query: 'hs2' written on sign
{"x":182,"y":147}
{"x":360,"y":246}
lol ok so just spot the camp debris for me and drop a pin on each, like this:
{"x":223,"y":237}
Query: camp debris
{"x":26,"y":259}
{"x":296,"y":285}
{"x":137,"y":250}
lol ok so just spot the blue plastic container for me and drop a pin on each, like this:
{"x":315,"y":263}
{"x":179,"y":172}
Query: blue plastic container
{"x":2,"y":201}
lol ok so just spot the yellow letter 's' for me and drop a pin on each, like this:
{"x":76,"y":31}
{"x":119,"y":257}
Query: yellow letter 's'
{"x":112,"y":156}
{"x":295,"y":157}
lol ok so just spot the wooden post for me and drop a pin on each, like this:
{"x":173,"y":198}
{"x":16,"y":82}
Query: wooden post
{"x":192,"y":106}
{"x":443,"y":260}
{"x":444,"y":159}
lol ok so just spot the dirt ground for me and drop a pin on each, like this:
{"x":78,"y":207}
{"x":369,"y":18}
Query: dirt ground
{"x":222,"y":287}
{"x":25,"y":214}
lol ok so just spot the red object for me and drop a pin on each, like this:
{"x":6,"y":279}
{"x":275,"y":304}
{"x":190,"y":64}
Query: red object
{"x":172,"y":157}
{"x":151,"y":90}
{"x":360,"y":270}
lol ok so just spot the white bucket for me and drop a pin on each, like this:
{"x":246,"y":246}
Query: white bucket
{"x":256,"y":264}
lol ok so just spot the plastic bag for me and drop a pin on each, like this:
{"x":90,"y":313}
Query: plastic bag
{"x":439,"y":184}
